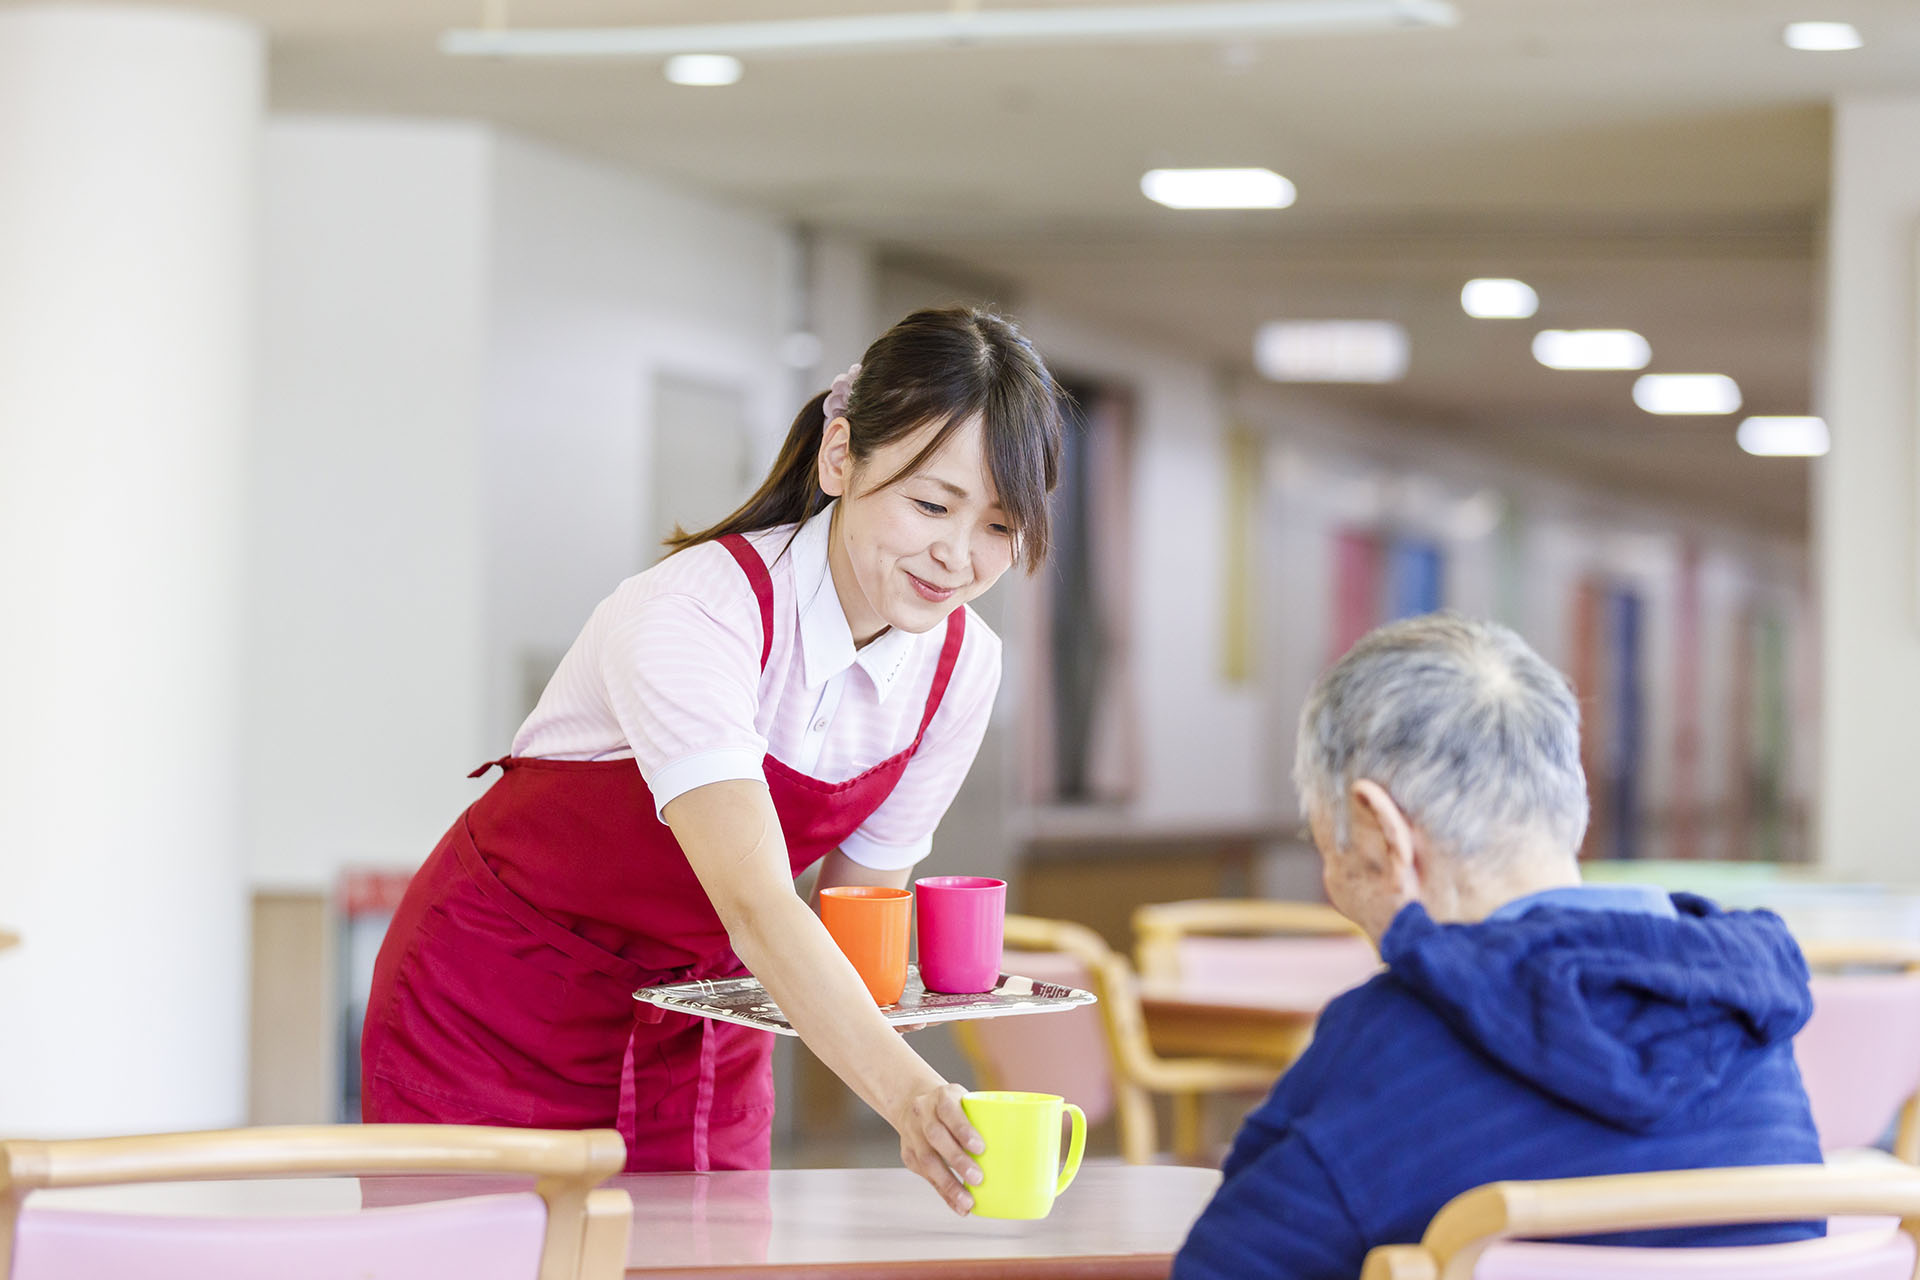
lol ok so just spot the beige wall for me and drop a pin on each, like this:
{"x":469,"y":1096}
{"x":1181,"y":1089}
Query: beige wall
{"x":1867,"y":495}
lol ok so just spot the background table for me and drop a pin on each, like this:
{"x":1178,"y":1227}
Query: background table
{"x":1117,"y":1222}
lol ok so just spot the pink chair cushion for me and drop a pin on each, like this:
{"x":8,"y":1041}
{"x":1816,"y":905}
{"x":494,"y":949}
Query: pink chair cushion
{"x":1860,"y":1054}
{"x":482,"y":1238}
{"x":1855,"y":1249}
{"x":1063,"y":1053}
{"x":1306,"y":971}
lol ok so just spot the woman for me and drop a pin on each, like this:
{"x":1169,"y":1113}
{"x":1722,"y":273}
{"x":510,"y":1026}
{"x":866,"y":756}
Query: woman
{"x":727,"y":675}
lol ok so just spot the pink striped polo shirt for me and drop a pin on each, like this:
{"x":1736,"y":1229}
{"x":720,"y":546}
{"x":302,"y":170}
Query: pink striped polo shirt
{"x":667,"y":671}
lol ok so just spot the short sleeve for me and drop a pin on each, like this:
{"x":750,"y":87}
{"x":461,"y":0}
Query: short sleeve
{"x":900,"y":832}
{"x":682,"y":672}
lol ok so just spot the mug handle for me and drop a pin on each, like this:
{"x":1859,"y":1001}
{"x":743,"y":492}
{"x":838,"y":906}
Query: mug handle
{"x":1076,"y":1147}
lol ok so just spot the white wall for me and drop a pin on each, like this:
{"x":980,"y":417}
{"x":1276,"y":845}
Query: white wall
{"x":601,"y":280}
{"x":460,"y":330}
{"x":366,"y":542}
{"x":1867,"y":493}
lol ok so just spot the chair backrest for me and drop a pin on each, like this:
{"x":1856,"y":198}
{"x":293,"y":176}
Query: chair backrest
{"x":1495,"y":1232}
{"x":1859,"y":1053}
{"x":564,"y":1229}
{"x":1184,"y":940}
{"x":1314,"y":969}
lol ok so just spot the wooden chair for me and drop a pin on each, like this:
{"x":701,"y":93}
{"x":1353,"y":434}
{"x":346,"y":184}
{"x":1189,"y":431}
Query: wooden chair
{"x":1165,"y":933}
{"x":1859,"y":1053}
{"x":564,"y":1229}
{"x":1002,"y":1050}
{"x":1491,"y":1232}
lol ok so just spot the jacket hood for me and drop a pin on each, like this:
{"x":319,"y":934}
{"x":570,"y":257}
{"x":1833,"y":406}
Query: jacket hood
{"x":1635,"y":1019}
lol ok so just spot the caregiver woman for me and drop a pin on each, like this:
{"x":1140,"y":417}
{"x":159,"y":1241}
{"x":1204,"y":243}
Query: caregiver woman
{"x":800,"y":683}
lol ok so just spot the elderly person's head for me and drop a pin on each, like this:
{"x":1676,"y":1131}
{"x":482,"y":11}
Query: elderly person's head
{"x":1439,"y":762}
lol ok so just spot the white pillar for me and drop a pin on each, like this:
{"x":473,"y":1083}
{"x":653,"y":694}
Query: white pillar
{"x":1867,"y":495}
{"x":127,"y":141}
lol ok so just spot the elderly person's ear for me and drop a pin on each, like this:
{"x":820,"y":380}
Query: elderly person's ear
{"x":1373,"y":807}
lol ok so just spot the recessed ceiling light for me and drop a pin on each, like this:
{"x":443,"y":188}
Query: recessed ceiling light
{"x":1331,"y":351}
{"x":703,"y":68}
{"x":1499,"y":299}
{"x":1785,"y":437}
{"x":1217,"y":188}
{"x":1591,"y":349}
{"x":1686,"y":393}
{"x":1822,"y":37}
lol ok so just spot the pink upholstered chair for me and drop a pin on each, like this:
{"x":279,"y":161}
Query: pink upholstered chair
{"x":1497,"y":1232}
{"x":1859,"y":1054}
{"x":1098,"y":1058}
{"x":563,"y":1229}
{"x":1304,"y":948}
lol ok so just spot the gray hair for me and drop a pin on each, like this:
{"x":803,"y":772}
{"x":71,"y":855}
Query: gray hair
{"x":1472,"y":733}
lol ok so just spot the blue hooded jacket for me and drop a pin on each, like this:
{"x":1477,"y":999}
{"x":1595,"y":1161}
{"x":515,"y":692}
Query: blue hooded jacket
{"x":1558,"y":1043}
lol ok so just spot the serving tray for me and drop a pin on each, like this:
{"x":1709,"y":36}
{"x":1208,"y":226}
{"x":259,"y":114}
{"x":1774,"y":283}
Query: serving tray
{"x":745,"y":1002}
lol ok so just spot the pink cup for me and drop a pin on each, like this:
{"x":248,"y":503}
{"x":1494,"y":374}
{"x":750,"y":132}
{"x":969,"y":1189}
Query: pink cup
{"x":961,"y":920}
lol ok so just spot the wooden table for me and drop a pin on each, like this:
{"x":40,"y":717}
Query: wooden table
{"x":1269,"y":1022}
{"x":1116,"y":1221}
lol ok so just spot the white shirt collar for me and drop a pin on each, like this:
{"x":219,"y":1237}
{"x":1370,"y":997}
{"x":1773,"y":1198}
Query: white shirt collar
{"x":826,"y":639}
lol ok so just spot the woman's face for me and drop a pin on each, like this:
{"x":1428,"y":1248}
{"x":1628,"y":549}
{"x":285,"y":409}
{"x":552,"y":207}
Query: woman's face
{"x":908,"y":554}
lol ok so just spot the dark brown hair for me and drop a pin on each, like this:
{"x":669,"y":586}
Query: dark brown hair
{"x":944,"y":365}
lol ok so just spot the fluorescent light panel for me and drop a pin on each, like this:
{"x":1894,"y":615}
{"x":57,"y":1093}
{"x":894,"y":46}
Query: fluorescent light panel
{"x":1331,"y":351}
{"x":1217,"y":188}
{"x":1591,"y":349}
{"x":1686,"y":393}
{"x":1822,"y":37}
{"x":962,"y":27}
{"x":1499,"y":299}
{"x":706,"y":69}
{"x":1769,"y":437}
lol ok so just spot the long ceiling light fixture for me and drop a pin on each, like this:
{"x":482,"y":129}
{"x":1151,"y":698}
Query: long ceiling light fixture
{"x":960,"y":27}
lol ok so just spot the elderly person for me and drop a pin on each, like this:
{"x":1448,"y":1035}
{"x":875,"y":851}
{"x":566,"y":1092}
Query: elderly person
{"x":1526,"y":1026}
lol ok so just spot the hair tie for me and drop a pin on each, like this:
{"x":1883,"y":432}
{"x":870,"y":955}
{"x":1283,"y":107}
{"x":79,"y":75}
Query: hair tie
{"x":838,"y":394}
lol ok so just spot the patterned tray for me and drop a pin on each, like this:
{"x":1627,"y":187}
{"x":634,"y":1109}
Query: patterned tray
{"x":745,"y":1001}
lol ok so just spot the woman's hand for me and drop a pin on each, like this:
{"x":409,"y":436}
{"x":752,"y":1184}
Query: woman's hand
{"x":935,"y":1140}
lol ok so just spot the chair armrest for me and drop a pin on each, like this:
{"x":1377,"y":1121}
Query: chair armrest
{"x":1472,"y":1221}
{"x":1400,"y":1262}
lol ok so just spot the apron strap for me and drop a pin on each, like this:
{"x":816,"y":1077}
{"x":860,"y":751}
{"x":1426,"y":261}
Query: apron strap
{"x":503,"y":764}
{"x":627,"y":1118}
{"x":949,"y":656}
{"x":756,"y":570}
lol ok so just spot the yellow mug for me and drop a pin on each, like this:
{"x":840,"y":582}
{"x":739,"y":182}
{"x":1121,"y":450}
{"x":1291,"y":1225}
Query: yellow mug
{"x":1020,"y":1168}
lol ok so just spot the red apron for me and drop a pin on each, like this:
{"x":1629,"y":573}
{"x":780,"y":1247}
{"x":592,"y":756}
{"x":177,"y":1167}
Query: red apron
{"x":503,"y":993}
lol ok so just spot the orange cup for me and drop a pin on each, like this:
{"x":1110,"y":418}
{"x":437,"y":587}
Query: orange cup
{"x":870,"y":924}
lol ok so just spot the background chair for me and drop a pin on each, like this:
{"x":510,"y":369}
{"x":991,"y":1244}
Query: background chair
{"x":1099,"y":1058}
{"x":1237,"y":940}
{"x":1477,"y":1234}
{"x":1859,"y":1053}
{"x":564,"y":1229}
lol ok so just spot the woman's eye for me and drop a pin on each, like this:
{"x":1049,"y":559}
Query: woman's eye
{"x":1002,"y":530}
{"x":931,"y":508}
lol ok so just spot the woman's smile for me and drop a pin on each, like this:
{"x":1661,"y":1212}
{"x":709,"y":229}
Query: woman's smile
{"x":928,"y":589}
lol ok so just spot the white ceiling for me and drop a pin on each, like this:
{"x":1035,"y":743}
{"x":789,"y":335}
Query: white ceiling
{"x":1653,"y":164}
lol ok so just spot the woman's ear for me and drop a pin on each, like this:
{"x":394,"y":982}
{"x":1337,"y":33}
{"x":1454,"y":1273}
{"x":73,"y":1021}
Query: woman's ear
{"x":836,"y":458}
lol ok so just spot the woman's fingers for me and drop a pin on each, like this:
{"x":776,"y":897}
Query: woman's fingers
{"x":954,"y":1117}
{"x":923,"y":1160}
{"x":947,"y":1146}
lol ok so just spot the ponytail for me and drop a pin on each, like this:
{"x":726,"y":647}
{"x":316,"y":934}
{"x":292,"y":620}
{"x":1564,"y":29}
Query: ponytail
{"x":790,"y":493}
